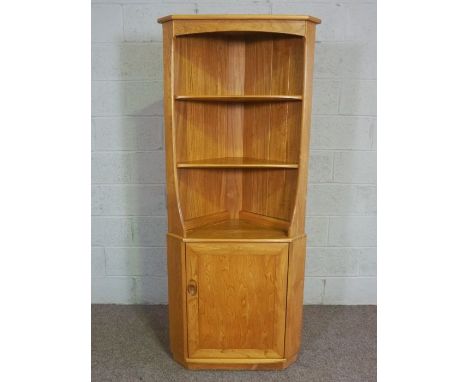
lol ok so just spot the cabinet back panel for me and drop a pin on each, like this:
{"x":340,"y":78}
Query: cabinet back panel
{"x":209,"y":64}
{"x":269,"y":192}
{"x":202,"y":192}
{"x":229,"y":64}
{"x":273,"y":65}
{"x":207,"y":130}
{"x":272,"y":130}
{"x":264,"y":130}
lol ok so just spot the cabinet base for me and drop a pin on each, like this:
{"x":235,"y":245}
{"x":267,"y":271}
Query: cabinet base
{"x":237,"y":364}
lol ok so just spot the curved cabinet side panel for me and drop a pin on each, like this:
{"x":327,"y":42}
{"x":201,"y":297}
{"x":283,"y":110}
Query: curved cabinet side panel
{"x":174,"y":212}
{"x":298,"y":216}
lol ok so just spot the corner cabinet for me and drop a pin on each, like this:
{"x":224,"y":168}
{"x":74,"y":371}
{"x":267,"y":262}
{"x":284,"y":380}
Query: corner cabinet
{"x":237,"y":98}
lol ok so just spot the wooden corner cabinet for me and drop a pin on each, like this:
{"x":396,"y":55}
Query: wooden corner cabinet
{"x":237,"y":99}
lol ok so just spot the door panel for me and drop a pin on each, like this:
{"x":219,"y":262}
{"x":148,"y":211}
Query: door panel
{"x":236,"y":299}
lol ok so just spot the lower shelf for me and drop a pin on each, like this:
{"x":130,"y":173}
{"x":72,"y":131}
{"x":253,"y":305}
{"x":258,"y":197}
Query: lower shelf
{"x":237,"y":229}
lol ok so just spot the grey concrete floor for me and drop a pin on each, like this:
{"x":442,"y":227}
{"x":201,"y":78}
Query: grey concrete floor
{"x":130,"y":343}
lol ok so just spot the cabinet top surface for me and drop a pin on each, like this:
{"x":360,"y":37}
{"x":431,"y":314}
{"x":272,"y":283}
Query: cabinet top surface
{"x":239,"y":17}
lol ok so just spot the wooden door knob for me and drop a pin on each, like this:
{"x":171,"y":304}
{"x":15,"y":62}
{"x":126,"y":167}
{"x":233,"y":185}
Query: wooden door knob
{"x":192,"y":288}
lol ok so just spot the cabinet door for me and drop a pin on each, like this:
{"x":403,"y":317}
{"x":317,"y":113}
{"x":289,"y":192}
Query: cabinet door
{"x":236,"y":299}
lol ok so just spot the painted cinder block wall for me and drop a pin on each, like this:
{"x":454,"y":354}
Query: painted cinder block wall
{"x":128,"y":190}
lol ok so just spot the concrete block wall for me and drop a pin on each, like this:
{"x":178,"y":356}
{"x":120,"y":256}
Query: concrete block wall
{"x":128,"y":195}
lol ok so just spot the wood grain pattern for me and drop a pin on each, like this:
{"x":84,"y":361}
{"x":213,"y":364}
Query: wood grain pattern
{"x":237,"y":114}
{"x":269,"y":192}
{"x":202,"y":191}
{"x":272,"y":131}
{"x":241,"y":293}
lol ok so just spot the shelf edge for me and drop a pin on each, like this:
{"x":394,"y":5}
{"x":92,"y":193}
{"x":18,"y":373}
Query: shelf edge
{"x":239,"y":98}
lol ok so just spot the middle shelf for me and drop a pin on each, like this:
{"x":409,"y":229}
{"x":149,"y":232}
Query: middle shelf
{"x":238,"y":98}
{"x":235,"y":162}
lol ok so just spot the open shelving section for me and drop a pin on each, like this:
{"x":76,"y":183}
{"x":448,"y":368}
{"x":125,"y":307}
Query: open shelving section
{"x":237,"y":124}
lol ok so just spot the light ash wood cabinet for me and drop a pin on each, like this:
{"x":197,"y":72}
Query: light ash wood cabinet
{"x":237,"y":98}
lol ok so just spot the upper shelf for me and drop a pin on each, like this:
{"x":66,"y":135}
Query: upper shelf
{"x":239,"y":98}
{"x":233,"y":162}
